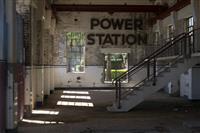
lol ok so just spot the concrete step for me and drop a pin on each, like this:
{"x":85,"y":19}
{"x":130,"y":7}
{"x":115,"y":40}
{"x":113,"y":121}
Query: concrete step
{"x":139,"y":95}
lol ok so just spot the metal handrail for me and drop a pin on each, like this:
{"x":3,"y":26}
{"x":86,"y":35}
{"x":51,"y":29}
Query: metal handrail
{"x":146,"y":61}
{"x":158,"y":51}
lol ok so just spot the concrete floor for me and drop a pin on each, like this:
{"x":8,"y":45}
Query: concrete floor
{"x":158,"y":114}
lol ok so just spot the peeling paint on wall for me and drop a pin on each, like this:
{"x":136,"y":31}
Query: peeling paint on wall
{"x":80,"y":22}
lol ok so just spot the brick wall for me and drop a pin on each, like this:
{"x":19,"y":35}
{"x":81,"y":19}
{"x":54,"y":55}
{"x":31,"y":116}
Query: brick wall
{"x":66,"y":23}
{"x":24,"y":9}
{"x":19,"y":78}
{"x":48,"y":48}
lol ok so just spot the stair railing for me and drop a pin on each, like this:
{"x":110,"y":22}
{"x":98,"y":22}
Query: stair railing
{"x":182,"y":43}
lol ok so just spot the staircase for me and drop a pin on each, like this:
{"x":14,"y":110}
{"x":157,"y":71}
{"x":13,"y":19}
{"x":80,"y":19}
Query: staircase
{"x":164,"y":65}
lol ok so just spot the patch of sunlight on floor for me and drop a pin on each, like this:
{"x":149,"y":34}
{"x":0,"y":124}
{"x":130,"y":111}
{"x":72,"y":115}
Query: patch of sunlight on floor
{"x":75,"y":97}
{"x":41,"y":122}
{"x":83,"y":104}
{"x":75,"y":92}
{"x":45,"y":112}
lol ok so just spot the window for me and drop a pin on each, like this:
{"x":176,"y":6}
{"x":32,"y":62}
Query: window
{"x":76,"y":52}
{"x":189,"y":24}
{"x":115,"y":65}
{"x":170,"y":33}
{"x":189,"y":27}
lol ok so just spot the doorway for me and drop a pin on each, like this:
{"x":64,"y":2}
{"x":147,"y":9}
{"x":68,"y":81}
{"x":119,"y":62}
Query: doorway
{"x":115,"y":65}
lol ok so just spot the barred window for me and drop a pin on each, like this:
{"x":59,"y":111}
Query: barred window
{"x":189,"y":24}
{"x":189,"y":27}
{"x":76,"y":52}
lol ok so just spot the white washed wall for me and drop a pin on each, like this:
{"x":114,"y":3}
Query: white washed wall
{"x":91,"y":78}
{"x":80,"y":22}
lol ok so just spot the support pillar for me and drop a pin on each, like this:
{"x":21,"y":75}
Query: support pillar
{"x":52,"y":32}
{"x":23,"y":9}
{"x":11,"y":91}
{"x":51,"y":64}
{"x":27,"y":94}
{"x":38,"y":49}
{"x":51,"y":79}
{"x":46,"y":82}
{"x":40,"y":87}
{"x":46,"y":56}
{"x":3,"y":70}
{"x":33,"y":86}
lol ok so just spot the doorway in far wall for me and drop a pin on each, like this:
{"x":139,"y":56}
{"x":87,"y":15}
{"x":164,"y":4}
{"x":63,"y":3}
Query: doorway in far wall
{"x":115,"y":65}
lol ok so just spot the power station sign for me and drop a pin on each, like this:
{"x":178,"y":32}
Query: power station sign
{"x":116,"y":32}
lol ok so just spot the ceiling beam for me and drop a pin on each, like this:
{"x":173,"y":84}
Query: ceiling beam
{"x":178,"y":6}
{"x":108,"y":8}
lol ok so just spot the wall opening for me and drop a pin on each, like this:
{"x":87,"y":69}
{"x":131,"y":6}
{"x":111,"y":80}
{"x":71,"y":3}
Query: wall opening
{"x":115,"y":65}
{"x":76,"y":52}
